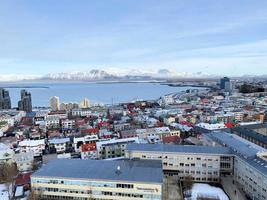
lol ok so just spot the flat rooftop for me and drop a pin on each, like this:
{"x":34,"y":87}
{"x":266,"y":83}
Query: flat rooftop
{"x":195,"y":149}
{"x":130,"y":170}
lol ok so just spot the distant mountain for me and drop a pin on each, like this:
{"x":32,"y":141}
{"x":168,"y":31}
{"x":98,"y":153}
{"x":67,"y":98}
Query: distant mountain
{"x":114,"y":74}
{"x":117,"y":74}
{"x":91,"y":75}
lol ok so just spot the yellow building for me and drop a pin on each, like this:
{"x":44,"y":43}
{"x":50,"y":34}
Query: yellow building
{"x":99,"y":180}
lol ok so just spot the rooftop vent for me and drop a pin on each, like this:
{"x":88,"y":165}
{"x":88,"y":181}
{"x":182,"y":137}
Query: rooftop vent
{"x":118,"y":170}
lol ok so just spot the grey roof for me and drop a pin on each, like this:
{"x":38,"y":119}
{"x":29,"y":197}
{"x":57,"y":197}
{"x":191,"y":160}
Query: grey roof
{"x":236,"y":144}
{"x":178,"y":148}
{"x":248,"y":131}
{"x":130,"y":170}
{"x":245,"y":150}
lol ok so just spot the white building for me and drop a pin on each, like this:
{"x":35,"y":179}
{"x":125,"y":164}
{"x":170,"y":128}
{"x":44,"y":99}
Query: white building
{"x":6,"y":154}
{"x":24,"y":161}
{"x":35,"y":146}
{"x":60,"y":144}
{"x":77,"y":142}
{"x":84,"y":103}
{"x":114,"y":148}
{"x":54,"y":103}
{"x":200,"y":163}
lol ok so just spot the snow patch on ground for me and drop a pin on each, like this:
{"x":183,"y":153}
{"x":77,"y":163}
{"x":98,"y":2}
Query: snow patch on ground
{"x":4,"y":192}
{"x":200,"y":190}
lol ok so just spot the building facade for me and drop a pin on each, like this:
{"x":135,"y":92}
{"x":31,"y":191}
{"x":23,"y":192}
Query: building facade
{"x":5,"y":102}
{"x":199,"y":163}
{"x":99,"y":180}
{"x":25,"y":103}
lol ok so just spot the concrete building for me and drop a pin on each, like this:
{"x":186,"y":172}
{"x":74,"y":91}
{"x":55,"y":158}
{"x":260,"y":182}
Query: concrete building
{"x":24,"y":161}
{"x":256,"y":134}
{"x":35,"y":146}
{"x":200,"y":163}
{"x":59,"y":144}
{"x":99,"y":180}
{"x":5,"y":101}
{"x":54,"y":103}
{"x":85,"y":103}
{"x":25,"y":103}
{"x":78,"y":141}
{"x":224,"y":82}
{"x":250,"y":168}
{"x":114,"y":148}
{"x":6,"y":154}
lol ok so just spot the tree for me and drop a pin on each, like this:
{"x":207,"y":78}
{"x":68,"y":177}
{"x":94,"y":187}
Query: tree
{"x":188,"y":182}
{"x":35,"y":195}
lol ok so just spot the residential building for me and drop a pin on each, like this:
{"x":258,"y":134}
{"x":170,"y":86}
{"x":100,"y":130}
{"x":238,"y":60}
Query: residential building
{"x":114,"y":148}
{"x":78,"y":141}
{"x":99,"y":179}
{"x":6,"y":154}
{"x":54,"y":103}
{"x":60,"y":145}
{"x":250,"y":164}
{"x":24,"y":161}
{"x":25,"y":103}
{"x":84,"y":103}
{"x":256,"y":134}
{"x":5,"y":102}
{"x":35,"y":146}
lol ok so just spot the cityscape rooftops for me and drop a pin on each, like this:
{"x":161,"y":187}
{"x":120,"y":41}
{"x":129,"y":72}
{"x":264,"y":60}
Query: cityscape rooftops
{"x":119,"y":170}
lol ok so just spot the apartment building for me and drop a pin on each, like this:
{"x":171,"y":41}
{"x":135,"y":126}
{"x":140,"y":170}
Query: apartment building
{"x":35,"y":146}
{"x":6,"y":154}
{"x":256,"y":133}
{"x":250,"y":164}
{"x":114,"y":148}
{"x":24,"y":161}
{"x":200,"y":163}
{"x":59,"y":144}
{"x":99,"y":180}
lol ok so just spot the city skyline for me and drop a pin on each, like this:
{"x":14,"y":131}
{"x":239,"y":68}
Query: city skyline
{"x":223,"y":38}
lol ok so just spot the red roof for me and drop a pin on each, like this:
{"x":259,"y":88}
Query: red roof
{"x":90,"y":131}
{"x":171,"y":139}
{"x":23,"y":179}
{"x":88,"y":147}
{"x":229,"y":125}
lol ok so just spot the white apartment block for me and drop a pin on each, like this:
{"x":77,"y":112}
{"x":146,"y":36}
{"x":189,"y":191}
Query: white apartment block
{"x":24,"y":161}
{"x":35,"y":146}
{"x":114,"y":148}
{"x":200,"y":163}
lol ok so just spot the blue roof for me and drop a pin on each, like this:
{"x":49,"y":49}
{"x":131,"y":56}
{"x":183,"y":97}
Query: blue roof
{"x":130,"y":170}
{"x":178,"y":148}
{"x":59,"y":140}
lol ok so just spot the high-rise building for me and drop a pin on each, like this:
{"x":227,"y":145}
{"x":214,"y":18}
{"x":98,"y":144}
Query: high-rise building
{"x":224,"y":82}
{"x":25,"y":103}
{"x":5,"y":102}
{"x":84,"y":103}
{"x":54,"y":103}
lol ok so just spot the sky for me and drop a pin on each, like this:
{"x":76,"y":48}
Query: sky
{"x":227,"y":37}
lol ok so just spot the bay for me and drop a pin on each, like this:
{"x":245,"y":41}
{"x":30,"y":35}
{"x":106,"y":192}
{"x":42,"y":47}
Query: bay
{"x":106,"y":93}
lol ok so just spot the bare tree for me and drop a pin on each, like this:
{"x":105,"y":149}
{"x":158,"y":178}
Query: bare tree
{"x":8,"y":173}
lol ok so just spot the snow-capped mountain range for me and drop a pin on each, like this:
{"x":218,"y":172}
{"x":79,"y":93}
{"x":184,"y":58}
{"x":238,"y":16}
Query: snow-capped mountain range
{"x":121,"y":74}
{"x":110,"y":74}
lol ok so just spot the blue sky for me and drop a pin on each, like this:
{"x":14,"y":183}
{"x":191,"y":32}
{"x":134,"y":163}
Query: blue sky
{"x":226,"y":37}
